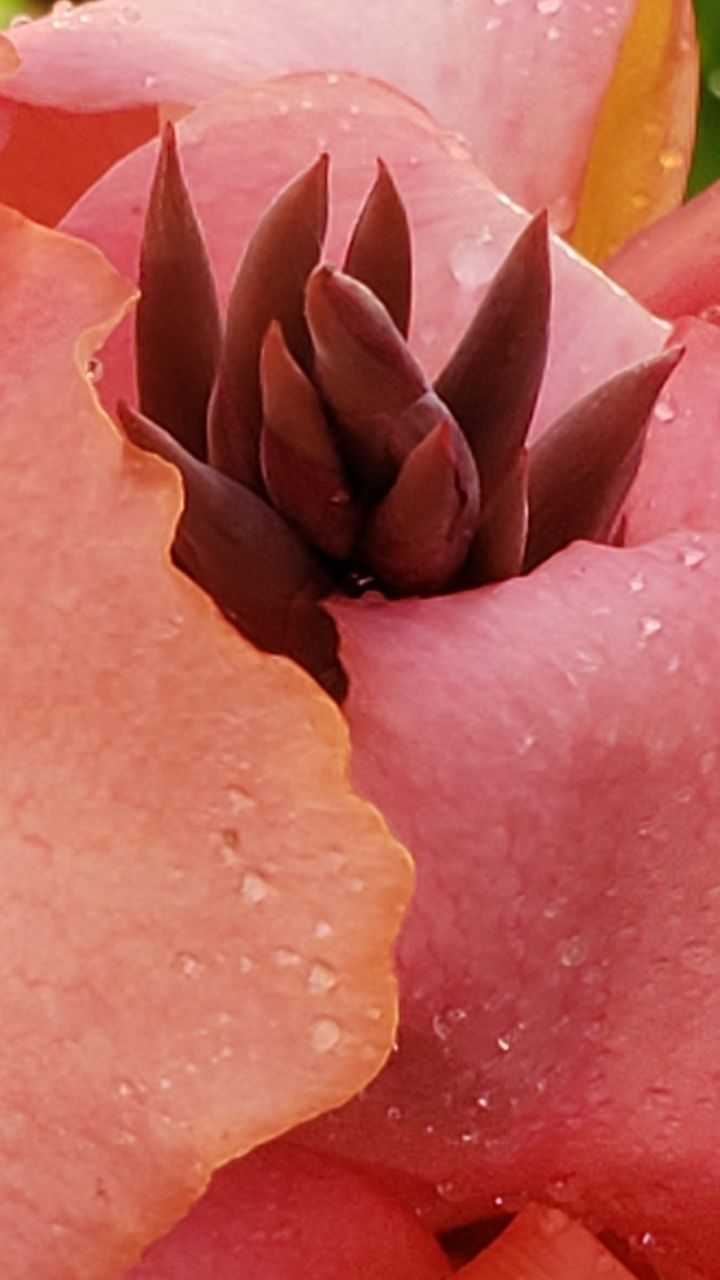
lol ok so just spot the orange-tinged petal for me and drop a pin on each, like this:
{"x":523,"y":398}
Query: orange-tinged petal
{"x":642,"y":145}
{"x":70,"y":150}
{"x":197,"y":912}
{"x":544,"y":1244}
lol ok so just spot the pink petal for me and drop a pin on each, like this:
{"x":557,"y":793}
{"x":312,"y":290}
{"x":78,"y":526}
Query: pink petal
{"x":286,"y":1214}
{"x":240,"y":150}
{"x":678,"y":485}
{"x":549,"y":749}
{"x":481,"y":67}
{"x":673,"y":267}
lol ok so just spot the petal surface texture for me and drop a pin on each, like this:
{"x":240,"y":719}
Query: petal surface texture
{"x":283,"y":1213}
{"x":678,"y":485}
{"x":240,"y":150}
{"x":197,"y":912}
{"x":549,"y":749}
{"x":479,"y":67}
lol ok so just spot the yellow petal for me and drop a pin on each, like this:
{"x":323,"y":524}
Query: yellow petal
{"x":642,"y":145}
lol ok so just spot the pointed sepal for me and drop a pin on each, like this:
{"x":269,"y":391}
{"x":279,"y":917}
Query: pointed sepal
{"x":380,"y":251}
{"x":239,"y":550}
{"x":177,"y":322}
{"x":492,"y":381}
{"x":381,"y":399}
{"x":303,"y":473}
{"x":417,"y":538}
{"x":582,"y":467}
{"x":269,"y":285}
{"x":498,"y":549}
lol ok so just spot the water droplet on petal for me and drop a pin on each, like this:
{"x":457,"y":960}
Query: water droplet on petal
{"x":664,"y":410}
{"x":572,"y":951}
{"x":650,"y":627}
{"x":188,"y":964}
{"x":254,"y":888}
{"x":549,"y":6}
{"x":472,"y":261}
{"x":394,"y":1113}
{"x":94,"y":369}
{"x":321,"y":979}
{"x":285,"y":958}
{"x":693,"y":556}
{"x":324,"y":1035}
{"x":672,"y":158}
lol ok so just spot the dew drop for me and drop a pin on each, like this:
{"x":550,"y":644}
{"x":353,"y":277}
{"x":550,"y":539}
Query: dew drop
{"x":285,"y":958}
{"x":332,"y":77}
{"x":473,"y":260}
{"x":483,"y":1101}
{"x":188,"y":964}
{"x":254,"y":888}
{"x":664,"y":410}
{"x":240,"y":801}
{"x":549,"y":6}
{"x":650,"y":627}
{"x":94,"y":369}
{"x":503,"y":1044}
{"x":394,"y":1113}
{"x":324,"y":1035}
{"x":672,"y":158}
{"x":637,"y":582}
{"x":165,"y":1082}
{"x":150,"y":80}
{"x":693,"y":556}
{"x":323,"y":929}
{"x":572,"y":951}
{"x":321,"y":979}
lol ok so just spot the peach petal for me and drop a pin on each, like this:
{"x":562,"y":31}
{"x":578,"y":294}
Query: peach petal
{"x":480,"y":67}
{"x":241,"y":149}
{"x":283,"y":1213}
{"x":673,"y":267}
{"x":549,"y":749}
{"x":181,"y":851}
{"x":678,"y":485}
{"x":643,"y":143}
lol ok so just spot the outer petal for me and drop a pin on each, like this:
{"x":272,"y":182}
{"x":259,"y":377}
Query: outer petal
{"x":241,"y":149}
{"x":197,"y":914}
{"x":642,"y":147}
{"x":673,"y":267}
{"x":549,"y":748}
{"x":480,"y":67}
{"x":283,"y":1213}
{"x":678,"y":485}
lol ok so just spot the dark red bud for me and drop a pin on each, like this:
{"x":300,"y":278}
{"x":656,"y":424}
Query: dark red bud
{"x":380,"y":251}
{"x":382,"y":401}
{"x":582,"y":467}
{"x":177,"y":320}
{"x":303,"y":473}
{"x":492,"y":382}
{"x":269,"y":285}
{"x":239,"y":550}
{"x":417,"y":538}
{"x":498,"y":548}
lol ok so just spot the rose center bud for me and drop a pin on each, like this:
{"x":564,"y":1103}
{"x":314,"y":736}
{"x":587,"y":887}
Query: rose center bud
{"x":317,"y":455}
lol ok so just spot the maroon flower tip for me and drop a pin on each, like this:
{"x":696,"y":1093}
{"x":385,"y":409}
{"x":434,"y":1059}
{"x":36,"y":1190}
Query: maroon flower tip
{"x":418,"y":537}
{"x":380,"y":251}
{"x":302,"y":469}
{"x":582,"y":467}
{"x":259,"y":572}
{"x":382,"y":402}
{"x":498,"y":548}
{"x":177,"y":319}
{"x":492,"y":381}
{"x":269,"y":285}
